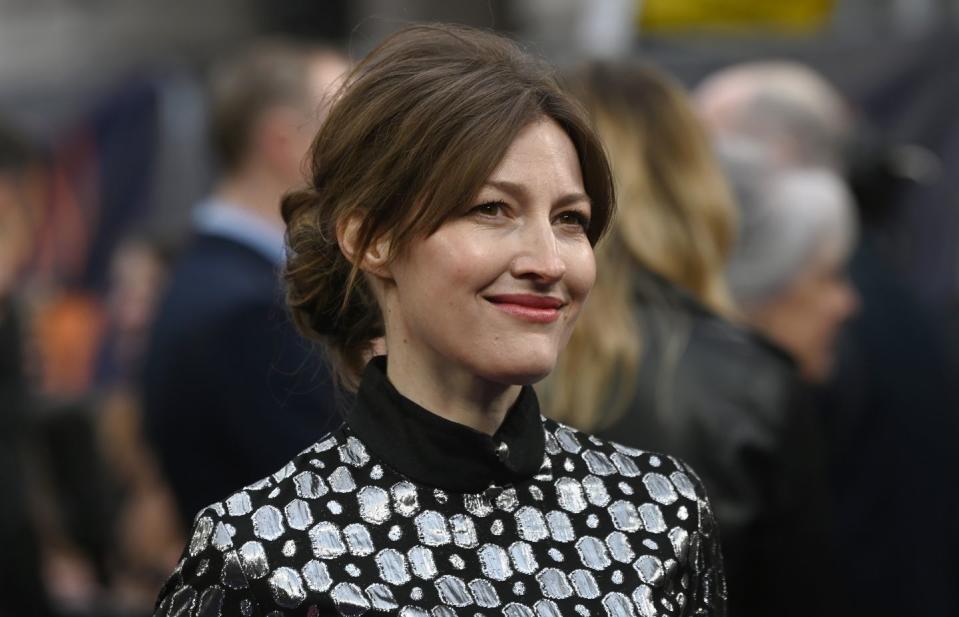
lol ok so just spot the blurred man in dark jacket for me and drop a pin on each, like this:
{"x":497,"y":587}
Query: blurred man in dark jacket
{"x":20,"y":566}
{"x":231,"y":391}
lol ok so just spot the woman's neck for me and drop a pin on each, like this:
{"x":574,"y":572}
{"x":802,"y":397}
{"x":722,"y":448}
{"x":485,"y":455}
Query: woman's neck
{"x":450,"y":393}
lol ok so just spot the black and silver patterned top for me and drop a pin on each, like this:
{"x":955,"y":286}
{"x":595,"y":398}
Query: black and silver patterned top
{"x":405,"y":513}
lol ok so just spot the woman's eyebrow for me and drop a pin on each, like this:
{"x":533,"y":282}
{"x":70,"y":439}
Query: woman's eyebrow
{"x":520,"y":191}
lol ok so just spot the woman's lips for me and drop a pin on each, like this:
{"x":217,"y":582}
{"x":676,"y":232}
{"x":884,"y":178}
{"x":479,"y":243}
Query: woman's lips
{"x":529,"y":307}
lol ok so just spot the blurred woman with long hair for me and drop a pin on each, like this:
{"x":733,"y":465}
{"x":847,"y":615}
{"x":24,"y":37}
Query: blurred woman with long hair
{"x":659,"y":359}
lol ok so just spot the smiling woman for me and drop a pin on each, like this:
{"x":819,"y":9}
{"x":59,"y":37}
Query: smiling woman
{"x":454,"y":200}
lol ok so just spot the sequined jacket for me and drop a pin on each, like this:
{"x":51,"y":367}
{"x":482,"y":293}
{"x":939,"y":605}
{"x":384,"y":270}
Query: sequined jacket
{"x":403,"y":512}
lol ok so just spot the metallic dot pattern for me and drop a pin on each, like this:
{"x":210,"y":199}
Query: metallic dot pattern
{"x":602,"y":530}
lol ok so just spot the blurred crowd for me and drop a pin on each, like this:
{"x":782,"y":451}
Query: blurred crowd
{"x":754,"y":314}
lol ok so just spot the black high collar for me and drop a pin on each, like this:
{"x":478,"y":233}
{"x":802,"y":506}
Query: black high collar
{"x":438,"y":452}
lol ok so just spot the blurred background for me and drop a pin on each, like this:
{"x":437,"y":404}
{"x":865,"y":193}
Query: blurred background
{"x":109,"y":102}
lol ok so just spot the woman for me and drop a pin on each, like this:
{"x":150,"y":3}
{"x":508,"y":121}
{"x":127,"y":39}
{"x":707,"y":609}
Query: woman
{"x":659,"y":359}
{"x":455,"y":196}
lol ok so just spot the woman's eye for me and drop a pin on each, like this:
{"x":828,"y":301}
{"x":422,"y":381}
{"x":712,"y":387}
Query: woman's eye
{"x":571,"y":217}
{"x":492,"y":208}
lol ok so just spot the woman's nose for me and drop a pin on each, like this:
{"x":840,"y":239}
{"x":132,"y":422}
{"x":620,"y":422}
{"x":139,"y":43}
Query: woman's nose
{"x":538,"y":255}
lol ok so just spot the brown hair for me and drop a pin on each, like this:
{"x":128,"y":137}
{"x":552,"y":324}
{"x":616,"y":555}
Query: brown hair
{"x":269,"y":73}
{"x":420,"y":124}
{"x":677,"y":218}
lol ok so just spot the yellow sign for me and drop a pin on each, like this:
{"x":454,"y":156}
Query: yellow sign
{"x":788,"y":15}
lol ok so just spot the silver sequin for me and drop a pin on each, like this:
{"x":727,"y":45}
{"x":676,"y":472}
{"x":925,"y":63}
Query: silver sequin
{"x":267,"y":523}
{"x":477,"y":505}
{"x":679,"y":538}
{"x":619,"y":547}
{"x":309,"y":485}
{"x":211,"y":602}
{"x":349,"y":599}
{"x":453,"y":591}
{"x":517,"y":610}
{"x":222,"y":538}
{"x":374,"y":504}
{"x":598,"y":463}
{"x":392,"y":567}
{"x":507,"y":500}
{"x":381,"y":598}
{"x":317,"y":576}
{"x":553,"y":583}
{"x":358,"y":540}
{"x":530,"y":524}
{"x":496,"y":528}
{"x":484,"y":593}
{"x":457,"y":562}
{"x":643,"y":597}
{"x":625,"y":465}
{"x":652,"y":517}
{"x":289,"y":548}
{"x":650,"y":570}
{"x":567,"y":440}
{"x":326,"y":541}
{"x":618,"y":605}
{"x":232,"y":574}
{"x":201,"y":536}
{"x":464,"y":532}
{"x":341,"y":480}
{"x":253,"y":559}
{"x":524,"y":561}
{"x":395,"y":533}
{"x":421,"y":560}
{"x":546,"y":608}
{"x":584,"y":584}
{"x":494,"y":562}
{"x":405,"y":498}
{"x":569,"y":494}
{"x":625,"y":517}
{"x":431,"y":528}
{"x":683,"y":484}
{"x":560,"y":527}
{"x":660,"y":488}
{"x":595,"y":491}
{"x":238,"y":504}
{"x":592,"y":552}
{"x":555,"y":555}
{"x":298,"y":515}
{"x":353,"y":452}
{"x":287,"y":587}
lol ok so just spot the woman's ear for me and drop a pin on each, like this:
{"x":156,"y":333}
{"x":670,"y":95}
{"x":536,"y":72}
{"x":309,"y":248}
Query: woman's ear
{"x":375,"y":259}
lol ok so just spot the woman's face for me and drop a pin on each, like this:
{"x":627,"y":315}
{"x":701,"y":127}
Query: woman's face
{"x":495,"y":291}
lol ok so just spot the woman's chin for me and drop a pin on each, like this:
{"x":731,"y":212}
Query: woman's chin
{"x":520,"y":373}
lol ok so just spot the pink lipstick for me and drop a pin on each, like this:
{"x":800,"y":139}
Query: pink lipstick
{"x":529,"y":307}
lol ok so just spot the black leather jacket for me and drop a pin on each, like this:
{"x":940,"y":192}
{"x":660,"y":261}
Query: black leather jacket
{"x":729,"y":402}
